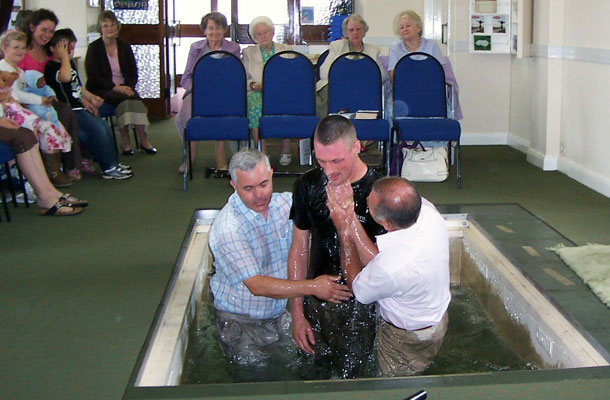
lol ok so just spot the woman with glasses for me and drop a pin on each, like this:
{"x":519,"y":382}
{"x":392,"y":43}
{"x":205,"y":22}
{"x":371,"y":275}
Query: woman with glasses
{"x":112,"y":74}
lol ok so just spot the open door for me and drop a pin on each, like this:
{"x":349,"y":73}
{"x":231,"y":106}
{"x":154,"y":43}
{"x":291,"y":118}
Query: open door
{"x":145,"y":29}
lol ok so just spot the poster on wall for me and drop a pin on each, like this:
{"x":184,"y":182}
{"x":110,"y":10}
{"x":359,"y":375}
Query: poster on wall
{"x":477,"y":24}
{"x":499,"y":23}
{"x":307,"y":15}
{"x":482,"y":42}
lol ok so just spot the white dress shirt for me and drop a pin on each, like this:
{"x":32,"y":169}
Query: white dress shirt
{"x":409,"y":278}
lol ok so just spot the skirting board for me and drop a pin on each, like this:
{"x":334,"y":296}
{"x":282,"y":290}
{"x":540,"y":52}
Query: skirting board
{"x":589,"y":178}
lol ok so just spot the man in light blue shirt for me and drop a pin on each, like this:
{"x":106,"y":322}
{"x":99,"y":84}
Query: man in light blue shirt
{"x":249,"y":240}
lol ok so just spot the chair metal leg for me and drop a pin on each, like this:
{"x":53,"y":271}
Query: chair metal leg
{"x":184,"y":171}
{"x":111,"y":122}
{"x":4,"y":200}
{"x":386,"y":154}
{"x":22,"y":182}
{"x":135,"y":138}
{"x":190,"y":161}
{"x":9,"y":179}
{"x":457,"y":161}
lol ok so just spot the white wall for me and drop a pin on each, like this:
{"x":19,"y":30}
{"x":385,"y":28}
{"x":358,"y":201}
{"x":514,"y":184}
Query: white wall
{"x":73,"y":14}
{"x":553,"y":106}
{"x":559,"y":98}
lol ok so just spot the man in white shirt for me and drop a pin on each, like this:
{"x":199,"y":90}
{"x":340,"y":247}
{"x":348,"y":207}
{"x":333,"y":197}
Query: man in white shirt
{"x":406,"y":272}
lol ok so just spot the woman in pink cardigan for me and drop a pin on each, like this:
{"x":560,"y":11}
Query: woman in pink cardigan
{"x":214,"y":26}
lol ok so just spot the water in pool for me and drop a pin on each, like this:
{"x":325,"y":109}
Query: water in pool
{"x":472,"y":344}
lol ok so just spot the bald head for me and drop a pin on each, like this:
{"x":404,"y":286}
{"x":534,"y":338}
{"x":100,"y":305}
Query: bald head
{"x":397,"y":201}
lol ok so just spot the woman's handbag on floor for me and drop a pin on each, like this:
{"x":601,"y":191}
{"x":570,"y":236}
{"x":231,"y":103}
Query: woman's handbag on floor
{"x":423,"y":164}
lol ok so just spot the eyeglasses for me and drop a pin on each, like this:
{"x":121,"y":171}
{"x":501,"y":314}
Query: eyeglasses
{"x":108,"y":25}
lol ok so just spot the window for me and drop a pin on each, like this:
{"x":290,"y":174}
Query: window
{"x":296,"y":21}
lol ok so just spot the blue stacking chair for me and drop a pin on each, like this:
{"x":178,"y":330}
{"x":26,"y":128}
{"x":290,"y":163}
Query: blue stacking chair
{"x":319,"y":63}
{"x":420,"y":105}
{"x":288,"y":98}
{"x":7,"y":154}
{"x":108,"y":112}
{"x":354,"y":83}
{"x":219,"y":110}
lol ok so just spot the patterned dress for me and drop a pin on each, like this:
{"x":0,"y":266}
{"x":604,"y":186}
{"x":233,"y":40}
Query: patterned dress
{"x":50,"y":136}
{"x":255,"y":99}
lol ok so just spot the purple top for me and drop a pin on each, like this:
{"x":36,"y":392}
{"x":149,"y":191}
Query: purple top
{"x":197,"y":50}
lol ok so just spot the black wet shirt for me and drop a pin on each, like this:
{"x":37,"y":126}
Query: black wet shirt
{"x":309,"y":212}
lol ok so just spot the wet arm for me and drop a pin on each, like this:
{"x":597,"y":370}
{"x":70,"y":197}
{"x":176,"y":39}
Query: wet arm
{"x":324,"y":287}
{"x":297,"y":270}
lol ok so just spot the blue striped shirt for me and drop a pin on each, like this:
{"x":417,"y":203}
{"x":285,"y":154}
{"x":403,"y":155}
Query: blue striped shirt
{"x":244,"y":245}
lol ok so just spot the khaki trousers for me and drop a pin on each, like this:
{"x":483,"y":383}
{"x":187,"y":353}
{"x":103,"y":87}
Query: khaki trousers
{"x":402,"y":352}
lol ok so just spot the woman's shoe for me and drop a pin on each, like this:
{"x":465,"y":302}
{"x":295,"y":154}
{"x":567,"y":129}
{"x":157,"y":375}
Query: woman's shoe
{"x":72,"y":201}
{"x":86,"y":165}
{"x":58,"y":206}
{"x":51,"y":163}
{"x":151,"y":151}
{"x":129,"y":152}
{"x":74,"y":174}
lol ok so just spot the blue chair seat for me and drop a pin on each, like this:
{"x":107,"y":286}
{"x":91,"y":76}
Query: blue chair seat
{"x":372,"y":129}
{"x":427,"y":129}
{"x":217,"y":128}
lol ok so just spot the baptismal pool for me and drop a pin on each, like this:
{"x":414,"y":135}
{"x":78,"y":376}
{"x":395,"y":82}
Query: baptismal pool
{"x":499,"y":321}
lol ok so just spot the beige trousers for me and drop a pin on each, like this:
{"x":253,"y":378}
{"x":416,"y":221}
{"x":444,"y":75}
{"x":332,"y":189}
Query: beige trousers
{"x":401,"y":352}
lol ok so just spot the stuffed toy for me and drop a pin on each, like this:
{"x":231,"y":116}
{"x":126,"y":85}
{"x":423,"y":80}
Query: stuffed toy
{"x":6,"y":84}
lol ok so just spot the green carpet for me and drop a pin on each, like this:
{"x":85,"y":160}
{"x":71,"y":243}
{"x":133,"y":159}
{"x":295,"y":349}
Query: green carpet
{"x":78,"y":294}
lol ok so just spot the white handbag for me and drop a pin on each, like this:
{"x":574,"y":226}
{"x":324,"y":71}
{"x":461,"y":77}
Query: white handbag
{"x":425,"y":164}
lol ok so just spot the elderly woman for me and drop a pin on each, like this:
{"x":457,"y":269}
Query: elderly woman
{"x":214,"y":26}
{"x":408,"y":25}
{"x":354,"y":29}
{"x":261,"y":29}
{"x":112,"y":74}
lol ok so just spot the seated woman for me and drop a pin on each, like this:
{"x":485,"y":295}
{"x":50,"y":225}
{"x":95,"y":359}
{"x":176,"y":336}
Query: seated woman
{"x":61,"y":74}
{"x":25,"y":145}
{"x":261,"y":29}
{"x":39,"y":27}
{"x":214,"y":25}
{"x":408,"y":25}
{"x":112,"y":74}
{"x":354,"y":30}
{"x":53,"y":138}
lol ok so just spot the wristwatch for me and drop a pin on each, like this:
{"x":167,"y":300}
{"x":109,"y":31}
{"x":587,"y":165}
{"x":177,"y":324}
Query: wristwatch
{"x":252,"y":84}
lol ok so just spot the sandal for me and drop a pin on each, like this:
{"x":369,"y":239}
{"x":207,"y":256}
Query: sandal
{"x":72,"y":201}
{"x":74,"y":174}
{"x":54,"y":210}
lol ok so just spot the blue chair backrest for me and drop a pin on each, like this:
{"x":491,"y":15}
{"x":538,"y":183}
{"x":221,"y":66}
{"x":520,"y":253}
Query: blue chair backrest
{"x":219,"y":86}
{"x":6,"y":153}
{"x":319,"y":63}
{"x":288,"y":85}
{"x":354,"y":83}
{"x":419,"y":87}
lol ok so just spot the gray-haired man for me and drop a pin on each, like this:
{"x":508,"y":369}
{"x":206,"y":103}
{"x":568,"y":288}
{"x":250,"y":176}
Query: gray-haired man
{"x":250,"y":239}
